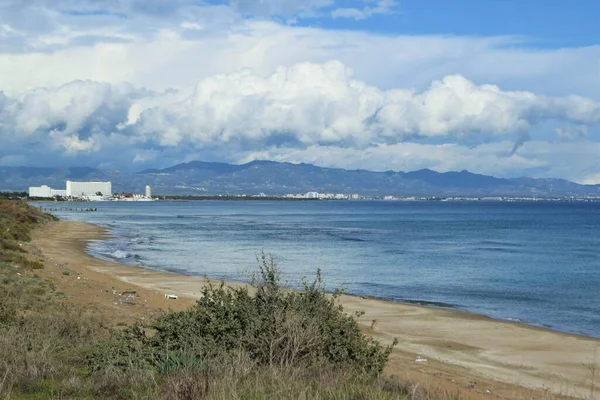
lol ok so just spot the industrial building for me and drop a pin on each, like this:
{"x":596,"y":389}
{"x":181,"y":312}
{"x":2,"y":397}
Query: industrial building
{"x":89,"y":189}
{"x":93,"y":190}
{"x":46,"y":192}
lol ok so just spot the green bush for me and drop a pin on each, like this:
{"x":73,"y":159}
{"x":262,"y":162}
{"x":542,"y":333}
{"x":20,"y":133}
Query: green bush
{"x":274,"y":326}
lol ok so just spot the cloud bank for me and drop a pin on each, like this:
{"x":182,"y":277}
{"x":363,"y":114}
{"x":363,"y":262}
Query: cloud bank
{"x":305,"y":109}
{"x":309,"y":104}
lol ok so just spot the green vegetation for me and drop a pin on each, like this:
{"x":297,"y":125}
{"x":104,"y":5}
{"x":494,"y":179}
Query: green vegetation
{"x":265,"y":342}
{"x":234,"y":343}
{"x":17,"y":220}
{"x":13,"y":195}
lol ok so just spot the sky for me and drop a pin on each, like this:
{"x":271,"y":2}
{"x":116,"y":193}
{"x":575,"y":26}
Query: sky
{"x":500,"y":87}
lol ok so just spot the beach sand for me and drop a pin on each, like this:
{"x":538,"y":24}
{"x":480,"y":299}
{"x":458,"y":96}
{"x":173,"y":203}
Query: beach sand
{"x":479,"y":357}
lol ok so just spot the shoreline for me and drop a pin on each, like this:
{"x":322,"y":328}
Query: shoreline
{"x":406,"y":302}
{"x":510,"y":352}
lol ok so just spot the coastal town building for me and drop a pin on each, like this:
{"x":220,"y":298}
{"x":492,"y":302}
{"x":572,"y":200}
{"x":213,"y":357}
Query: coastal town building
{"x":46,"y":192}
{"x":89,"y":189}
{"x":92,"y":190}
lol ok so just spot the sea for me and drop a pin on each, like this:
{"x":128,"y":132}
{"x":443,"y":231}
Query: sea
{"x":537,"y":263}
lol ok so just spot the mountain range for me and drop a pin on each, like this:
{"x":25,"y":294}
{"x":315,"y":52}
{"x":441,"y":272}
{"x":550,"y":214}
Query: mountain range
{"x":275,"y":178}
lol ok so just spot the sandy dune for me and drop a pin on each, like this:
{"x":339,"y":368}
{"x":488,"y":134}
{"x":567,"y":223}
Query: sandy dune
{"x":484,"y":357}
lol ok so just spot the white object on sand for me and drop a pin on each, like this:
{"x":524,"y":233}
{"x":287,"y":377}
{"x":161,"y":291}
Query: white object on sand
{"x":171,"y":297}
{"x":420,"y":360}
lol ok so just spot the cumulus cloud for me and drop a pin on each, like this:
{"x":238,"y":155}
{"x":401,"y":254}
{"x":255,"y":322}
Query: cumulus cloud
{"x":304,"y":109}
{"x":311,"y":104}
{"x":81,"y":107}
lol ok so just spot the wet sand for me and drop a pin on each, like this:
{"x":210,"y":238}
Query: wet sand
{"x":473,"y":354}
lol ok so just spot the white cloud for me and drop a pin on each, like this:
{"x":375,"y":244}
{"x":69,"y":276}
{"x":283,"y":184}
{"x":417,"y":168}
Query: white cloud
{"x":311,"y":104}
{"x":592,"y":179}
{"x":73,"y":144}
{"x":284,"y":8}
{"x":191,"y":25}
{"x":161,"y":56}
{"x":69,"y":108}
{"x":318,"y":109}
{"x":385,"y":7}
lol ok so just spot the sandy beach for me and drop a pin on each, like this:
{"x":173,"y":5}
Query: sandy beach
{"x":475,"y":355}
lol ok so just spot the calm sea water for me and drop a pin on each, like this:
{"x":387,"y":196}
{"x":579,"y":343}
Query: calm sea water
{"x":538,"y":263}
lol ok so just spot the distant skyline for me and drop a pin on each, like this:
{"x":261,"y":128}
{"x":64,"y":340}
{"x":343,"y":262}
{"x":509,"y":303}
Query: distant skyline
{"x":499,"y":87}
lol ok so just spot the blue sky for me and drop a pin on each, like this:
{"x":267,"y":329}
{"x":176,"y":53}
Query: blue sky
{"x":500,"y":87}
{"x":549,"y":23}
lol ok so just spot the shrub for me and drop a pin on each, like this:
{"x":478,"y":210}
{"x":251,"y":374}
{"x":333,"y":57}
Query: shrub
{"x":274,"y":326}
{"x":17,"y":221}
{"x":8,"y":312}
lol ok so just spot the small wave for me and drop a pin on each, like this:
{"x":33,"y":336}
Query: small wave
{"x":118,"y":254}
{"x":497,"y":249}
{"x":143,"y":239}
{"x":345,"y":238}
{"x":121,"y":255}
{"x":438,"y":304}
{"x":351,"y":239}
{"x":394,"y":251}
{"x":498,"y":243}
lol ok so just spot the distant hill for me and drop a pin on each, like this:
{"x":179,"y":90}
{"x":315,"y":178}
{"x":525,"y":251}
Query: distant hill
{"x":276,"y":178}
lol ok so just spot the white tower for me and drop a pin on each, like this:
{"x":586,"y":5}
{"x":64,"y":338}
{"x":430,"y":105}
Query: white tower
{"x":148,"y":192}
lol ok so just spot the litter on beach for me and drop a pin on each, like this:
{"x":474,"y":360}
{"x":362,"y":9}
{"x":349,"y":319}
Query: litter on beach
{"x":171,"y":297}
{"x":420,"y":360}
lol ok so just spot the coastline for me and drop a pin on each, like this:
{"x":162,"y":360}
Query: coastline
{"x":457,"y":343}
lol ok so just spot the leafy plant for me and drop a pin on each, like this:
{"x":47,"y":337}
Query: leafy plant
{"x":274,"y":326}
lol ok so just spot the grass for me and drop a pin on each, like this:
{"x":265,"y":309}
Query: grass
{"x":17,"y":221}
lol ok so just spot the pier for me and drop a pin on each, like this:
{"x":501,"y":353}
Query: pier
{"x":70,"y":209}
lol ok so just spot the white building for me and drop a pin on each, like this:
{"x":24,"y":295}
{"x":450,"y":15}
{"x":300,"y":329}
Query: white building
{"x":148,"y":192}
{"x":43,"y":191}
{"x":46,"y":192}
{"x":88,"y":189}
{"x":312,"y":195}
